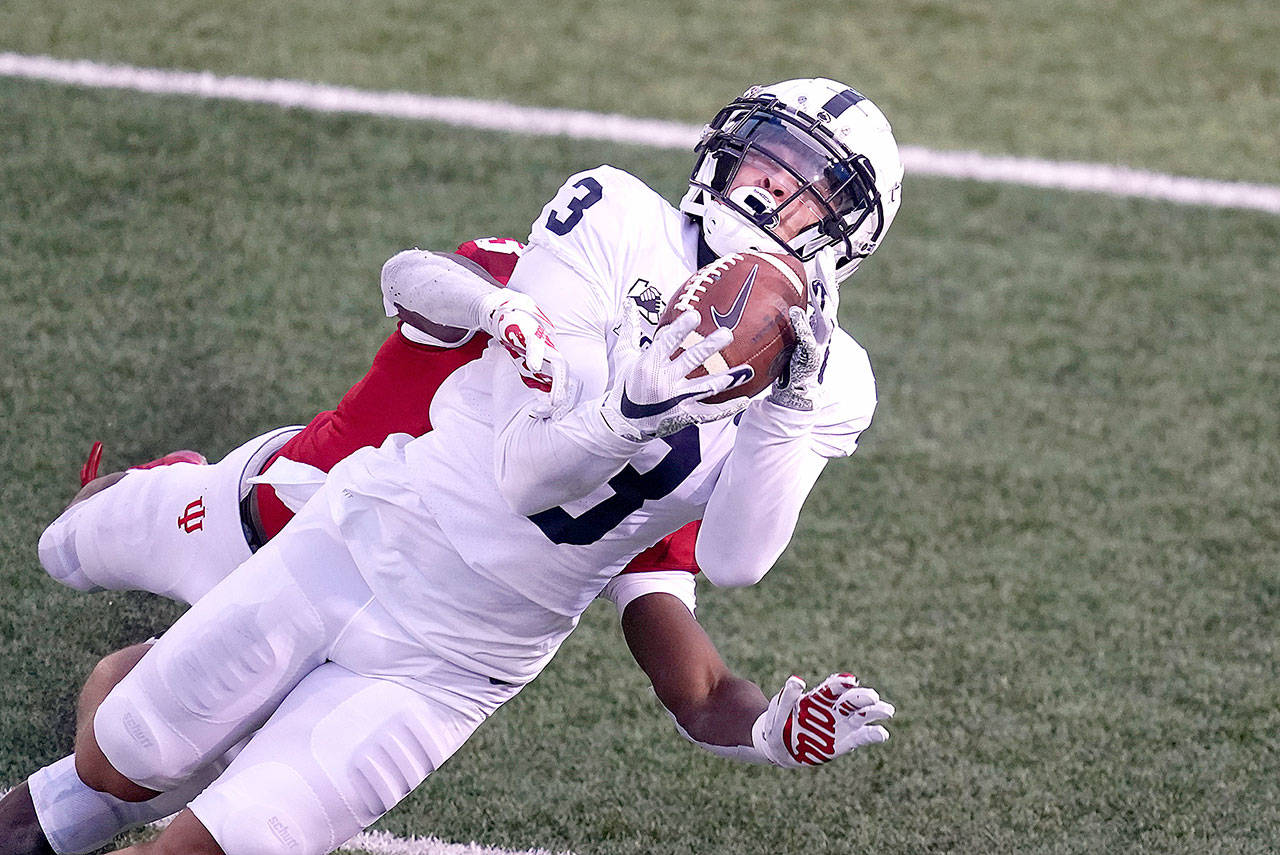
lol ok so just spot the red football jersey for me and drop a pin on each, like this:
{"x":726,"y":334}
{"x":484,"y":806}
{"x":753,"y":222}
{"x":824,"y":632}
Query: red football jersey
{"x":394,"y":396}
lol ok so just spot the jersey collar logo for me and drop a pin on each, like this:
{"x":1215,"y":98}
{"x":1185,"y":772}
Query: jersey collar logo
{"x":647,"y":300}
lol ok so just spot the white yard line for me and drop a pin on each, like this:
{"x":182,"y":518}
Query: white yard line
{"x":498,"y":116}
{"x":384,"y":843}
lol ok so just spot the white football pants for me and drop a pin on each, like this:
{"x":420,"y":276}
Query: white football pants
{"x":351,"y":713}
{"x":174,"y":530}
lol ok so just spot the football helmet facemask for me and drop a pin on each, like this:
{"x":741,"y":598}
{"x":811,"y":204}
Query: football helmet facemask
{"x":832,"y":174}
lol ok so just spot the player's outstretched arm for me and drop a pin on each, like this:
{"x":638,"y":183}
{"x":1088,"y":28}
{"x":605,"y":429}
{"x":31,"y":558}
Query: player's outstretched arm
{"x":816,"y":411}
{"x":729,"y":716}
{"x":711,"y":705}
{"x":447,"y":296}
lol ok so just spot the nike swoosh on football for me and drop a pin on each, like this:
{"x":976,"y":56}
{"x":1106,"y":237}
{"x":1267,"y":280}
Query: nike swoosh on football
{"x":632,"y":410}
{"x":730,"y":320}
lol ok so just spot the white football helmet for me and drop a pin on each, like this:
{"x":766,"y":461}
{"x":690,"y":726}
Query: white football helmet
{"x":845,"y":174}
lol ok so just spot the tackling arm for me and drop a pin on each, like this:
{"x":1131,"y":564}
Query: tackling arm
{"x":729,"y":716}
{"x":711,"y":705}
{"x":443,"y":298}
{"x":429,"y":290}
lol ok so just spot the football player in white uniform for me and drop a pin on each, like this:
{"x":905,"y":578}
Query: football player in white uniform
{"x":429,"y":579}
{"x":126,"y":539}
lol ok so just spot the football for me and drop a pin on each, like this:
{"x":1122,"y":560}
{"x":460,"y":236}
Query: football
{"x":748,"y":293}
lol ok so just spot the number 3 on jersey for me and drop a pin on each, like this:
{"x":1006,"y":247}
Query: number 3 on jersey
{"x":562,"y":222}
{"x":631,"y":489}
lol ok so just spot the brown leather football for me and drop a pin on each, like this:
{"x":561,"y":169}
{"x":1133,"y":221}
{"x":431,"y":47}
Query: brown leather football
{"x":748,"y":293}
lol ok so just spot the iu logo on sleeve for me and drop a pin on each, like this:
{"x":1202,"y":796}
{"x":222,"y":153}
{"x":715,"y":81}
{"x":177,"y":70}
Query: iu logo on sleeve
{"x":192,"y":519}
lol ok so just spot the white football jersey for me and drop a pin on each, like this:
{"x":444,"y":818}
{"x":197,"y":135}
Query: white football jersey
{"x":613,"y":241}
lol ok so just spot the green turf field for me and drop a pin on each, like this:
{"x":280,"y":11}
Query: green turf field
{"x":1185,"y":86}
{"x":1057,"y":551}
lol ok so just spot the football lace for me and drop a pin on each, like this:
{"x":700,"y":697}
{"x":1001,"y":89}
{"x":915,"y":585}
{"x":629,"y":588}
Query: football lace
{"x":697,"y":286}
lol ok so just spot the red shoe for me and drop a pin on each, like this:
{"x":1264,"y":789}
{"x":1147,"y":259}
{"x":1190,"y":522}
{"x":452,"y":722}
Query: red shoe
{"x":89,"y":470}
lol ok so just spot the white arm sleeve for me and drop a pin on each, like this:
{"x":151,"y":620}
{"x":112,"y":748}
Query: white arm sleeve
{"x":756,"y":502}
{"x":626,"y":588}
{"x":543,"y":462}
{"x":741,"y":753}
{"x":775,"y":462}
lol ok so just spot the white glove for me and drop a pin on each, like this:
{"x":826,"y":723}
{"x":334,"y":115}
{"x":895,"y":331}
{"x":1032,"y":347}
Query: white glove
{"x":796,"y":386}
{"x":515,"y":321}
{"x":811,"y":728}
{"x":654,"y":396}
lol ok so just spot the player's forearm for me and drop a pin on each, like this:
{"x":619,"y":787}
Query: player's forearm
{"x":725,"y":715}
{"x":542,"y":462}
{"x":711,"y":706}
{"x":753,"y":511}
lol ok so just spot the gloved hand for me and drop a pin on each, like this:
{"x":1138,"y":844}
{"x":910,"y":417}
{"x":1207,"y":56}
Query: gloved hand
{"x":795,"y":387}
{"x":811,"y":728}
{"x":653,"y":396}
{"x":515,"y":321}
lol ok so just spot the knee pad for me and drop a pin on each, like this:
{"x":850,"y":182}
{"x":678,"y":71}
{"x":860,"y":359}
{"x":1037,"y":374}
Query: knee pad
{"x":151,"y":756}
{"x":217,"y":675}
{"x":293,"y":821}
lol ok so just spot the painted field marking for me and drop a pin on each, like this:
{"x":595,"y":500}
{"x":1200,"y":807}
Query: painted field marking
{"x":578,"y":124}
{"x":385,"y":843}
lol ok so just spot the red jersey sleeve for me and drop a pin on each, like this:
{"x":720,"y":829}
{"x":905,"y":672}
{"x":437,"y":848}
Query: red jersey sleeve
{"x":498,"y":256}
{"x":673,"y":552}
{"x":394,"y":396}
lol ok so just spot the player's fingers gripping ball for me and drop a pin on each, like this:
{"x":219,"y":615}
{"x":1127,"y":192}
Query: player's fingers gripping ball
{"x":748,"y":294}
{"x":655,"y":395}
